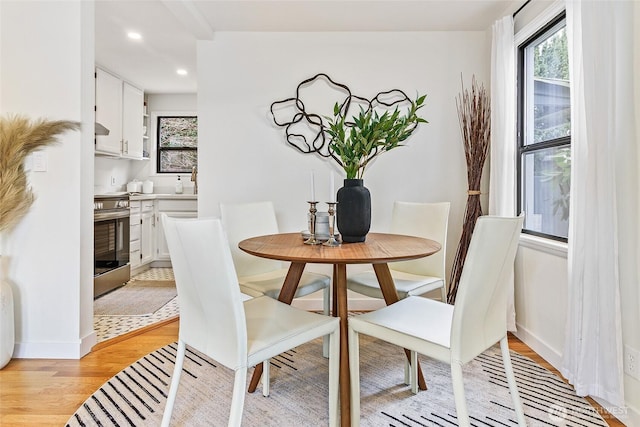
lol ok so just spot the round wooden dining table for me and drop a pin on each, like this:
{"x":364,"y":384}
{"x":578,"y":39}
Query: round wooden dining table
{"x":378,"y":249}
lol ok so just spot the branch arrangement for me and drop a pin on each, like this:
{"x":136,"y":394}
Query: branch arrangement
{"x":474,"y":115}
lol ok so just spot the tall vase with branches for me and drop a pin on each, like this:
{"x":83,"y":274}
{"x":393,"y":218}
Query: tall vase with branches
{"x":474,"y":115}
{"x":19,"y":136}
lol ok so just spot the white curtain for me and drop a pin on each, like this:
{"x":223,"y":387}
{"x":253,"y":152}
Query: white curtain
{"x":502,"y":199}
{"x":603,"y":211}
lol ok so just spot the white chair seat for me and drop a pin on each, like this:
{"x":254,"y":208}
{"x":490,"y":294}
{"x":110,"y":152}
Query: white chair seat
{"x":274,"y":327}
{"x":431,"y":335}
{"x":407,"y":284}
{"x":270,"y":283}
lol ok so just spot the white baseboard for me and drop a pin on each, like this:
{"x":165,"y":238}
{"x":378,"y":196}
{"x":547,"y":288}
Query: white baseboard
{"x":55,"y":350}
{"x":87,"y":343}
{"x":544,"y":350}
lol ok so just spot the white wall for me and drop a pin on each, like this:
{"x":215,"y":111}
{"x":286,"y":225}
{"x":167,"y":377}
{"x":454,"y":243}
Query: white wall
{"x":243,"y":155}
{"x":539,"y":274}
{"x":46,"y":60}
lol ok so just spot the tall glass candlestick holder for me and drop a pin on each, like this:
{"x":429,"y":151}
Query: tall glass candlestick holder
{"x":312,"y":240}
{"x":332,"y":220}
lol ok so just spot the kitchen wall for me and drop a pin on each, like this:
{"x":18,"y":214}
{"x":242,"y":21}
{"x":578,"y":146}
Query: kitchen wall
{"x":124,"y":170}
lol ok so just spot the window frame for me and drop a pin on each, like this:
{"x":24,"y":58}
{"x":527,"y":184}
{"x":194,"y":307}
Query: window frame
{"x":522,"y":148}
{"x":159,"y":150}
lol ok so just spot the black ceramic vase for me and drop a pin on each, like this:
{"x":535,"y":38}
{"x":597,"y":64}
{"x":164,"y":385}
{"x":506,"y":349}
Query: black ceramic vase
{"x":354,"y":211}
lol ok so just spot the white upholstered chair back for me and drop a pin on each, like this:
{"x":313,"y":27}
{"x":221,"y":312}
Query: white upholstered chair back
{"x":212,"y":317}
{"x":480,"y":311}
{"x":428,"y":220}
{"x":242,"y":221}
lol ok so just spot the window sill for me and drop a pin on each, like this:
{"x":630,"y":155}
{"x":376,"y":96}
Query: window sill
{"x":552,"y":247}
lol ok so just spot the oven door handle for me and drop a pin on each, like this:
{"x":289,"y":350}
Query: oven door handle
{"x":105,"y":216}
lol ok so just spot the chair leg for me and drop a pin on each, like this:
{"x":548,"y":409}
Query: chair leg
{"x":354,"y":369}
{"x":414,"y":372}
{"x":511,"y":379}
{"x":266,"y":377}
{"x":175,"y":382}
{"x":237,"y":401}
{"x":407,"y":372}
{"x":458,"y":394}
{"x":334,"y":377}
{"x":325,"y":309}
{"x":443,"y":294}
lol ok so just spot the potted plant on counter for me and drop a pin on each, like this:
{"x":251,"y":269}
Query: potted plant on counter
{"x":355,"y":143}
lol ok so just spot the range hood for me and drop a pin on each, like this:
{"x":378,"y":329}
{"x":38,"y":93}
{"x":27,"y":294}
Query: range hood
{"x":101,"y":130}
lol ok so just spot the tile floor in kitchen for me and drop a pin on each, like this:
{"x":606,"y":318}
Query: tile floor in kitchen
{"x":108,"y":327}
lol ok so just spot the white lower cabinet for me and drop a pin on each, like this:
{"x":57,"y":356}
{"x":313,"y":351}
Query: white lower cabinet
{"x":141,"y":232}
{"x":147,"y":232}
{"x":134,"y":234}
{"x":147,"y":244}
{"x":176,"y":209}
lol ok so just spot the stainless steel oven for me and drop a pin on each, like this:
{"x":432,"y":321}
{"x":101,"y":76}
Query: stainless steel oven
{"x":110,"y":243}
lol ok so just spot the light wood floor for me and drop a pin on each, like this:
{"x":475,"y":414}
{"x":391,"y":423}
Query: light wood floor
{"x":46,"y":392}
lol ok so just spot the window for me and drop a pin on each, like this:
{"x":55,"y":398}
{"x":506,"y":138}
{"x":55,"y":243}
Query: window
{"x":544,"y":132}
{"x":177,"y":144}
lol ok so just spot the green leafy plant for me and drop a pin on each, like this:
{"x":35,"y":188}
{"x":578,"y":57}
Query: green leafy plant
{"x":354,"y":144}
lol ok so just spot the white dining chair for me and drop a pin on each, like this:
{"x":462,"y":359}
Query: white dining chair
{"x":244,"y":220}
{"x":215,"y":321}
{"x":452,"y":334}
{"x":419,"y":276}
{"x":415,"y":277}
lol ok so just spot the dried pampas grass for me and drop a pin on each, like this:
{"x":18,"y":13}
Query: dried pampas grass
{"x":20,"y":136}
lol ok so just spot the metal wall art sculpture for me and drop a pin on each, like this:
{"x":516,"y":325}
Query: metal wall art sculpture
{"x":305,"y":130}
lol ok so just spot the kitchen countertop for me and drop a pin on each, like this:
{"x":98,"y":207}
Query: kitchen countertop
{"x":153,"y":196}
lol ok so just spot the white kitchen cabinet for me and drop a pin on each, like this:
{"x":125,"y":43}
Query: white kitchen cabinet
{"x":132,"y":121}
{"x":134,"y":234}
{"x":109,"y":112}
{"x":147,"y":232}
{"x":176,"y":208}
{"x":119,"y":108}
{"x":141,"y":233}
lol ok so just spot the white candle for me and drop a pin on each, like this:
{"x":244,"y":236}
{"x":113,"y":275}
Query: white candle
{"x":313,"y":189}
{"x":332,"y":188}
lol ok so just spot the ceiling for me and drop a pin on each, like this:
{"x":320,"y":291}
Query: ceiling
{"x":170,"y":28}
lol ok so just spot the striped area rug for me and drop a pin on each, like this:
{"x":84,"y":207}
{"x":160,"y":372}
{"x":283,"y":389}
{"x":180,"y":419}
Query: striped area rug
{"x":299,"y":388}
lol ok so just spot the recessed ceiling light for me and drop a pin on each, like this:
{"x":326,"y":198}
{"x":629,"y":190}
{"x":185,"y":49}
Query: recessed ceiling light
{"x":181,"y":71}
{"x":133,"y":35}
